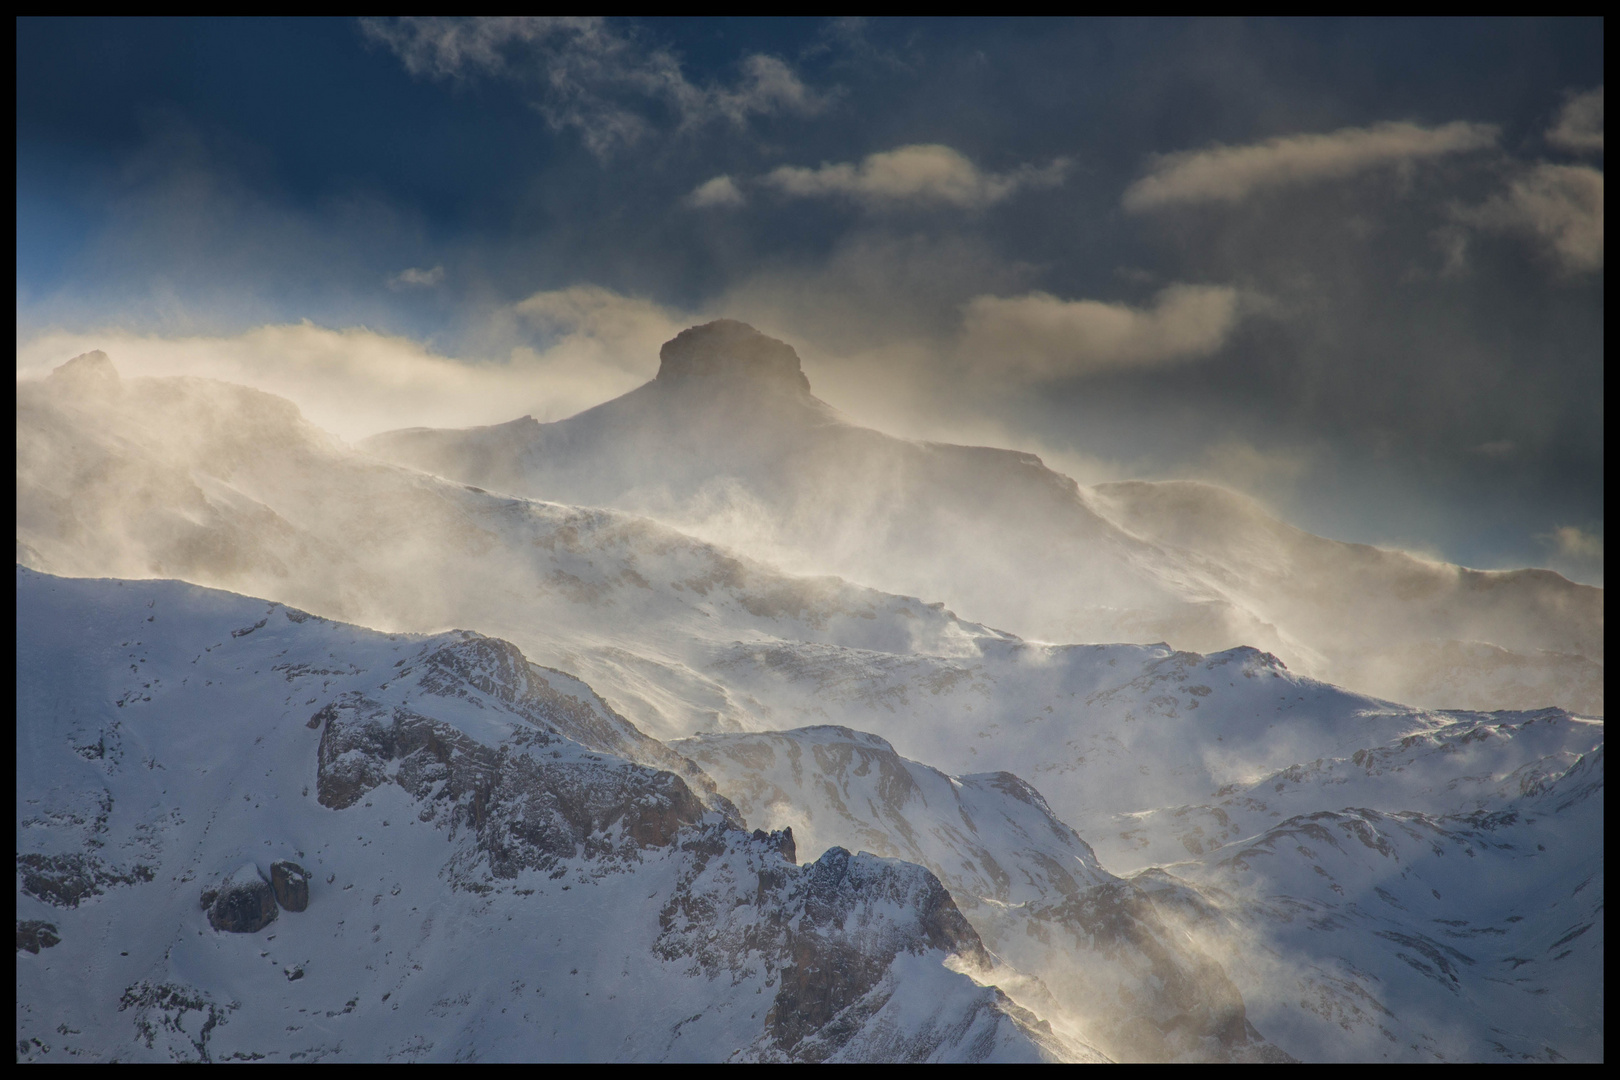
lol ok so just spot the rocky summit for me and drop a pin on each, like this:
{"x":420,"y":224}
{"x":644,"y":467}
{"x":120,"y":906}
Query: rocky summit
{"x":734,"y":351}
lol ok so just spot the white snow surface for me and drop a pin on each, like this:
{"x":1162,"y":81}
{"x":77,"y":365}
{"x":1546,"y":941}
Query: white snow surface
{"x":164,"y":743}
{"x":1270,"y":865}
{"x":1465,"y":928}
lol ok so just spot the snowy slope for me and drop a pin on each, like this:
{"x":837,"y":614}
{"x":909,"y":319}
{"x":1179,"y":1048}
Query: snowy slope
{"x":488,"y":879}
{"x":1469,"y":929}
{"x":737,"y":450}
{"x":1157,"y":757}
{"x":1361,"y":934}
{"x":230,"y":488}
{"x":1389,"y":623}
{"x":1029,"y":884}
{"x":679,"y":636}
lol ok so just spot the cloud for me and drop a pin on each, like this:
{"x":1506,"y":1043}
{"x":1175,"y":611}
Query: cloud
{"x":587,"y":75}
{"x":912,"y":174}
{"x":1232,"y":173}
{"x":1557,"y":207}
{"x":416,"y":278}
{"x":1577,"y":542}
{"x":1576,"y":553}
{"x":589,"y":345}
{"x":1239,"y":463}
{"x":721,"y":191}
{"x":598,"y":327}
{"x":1580,"y":125}
{"x":1040,"y":336}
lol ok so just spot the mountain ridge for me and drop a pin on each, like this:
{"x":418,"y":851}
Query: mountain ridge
{"x":787,"y":477}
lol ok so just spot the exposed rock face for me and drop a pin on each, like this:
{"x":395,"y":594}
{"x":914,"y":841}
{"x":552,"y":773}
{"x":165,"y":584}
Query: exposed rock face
{"x":626,"y":917}
{"x":1028,"y":884}
{"x":832,"y":966}
{"x":827,"y":934}
{"x":483,"y":669}
{"x":64,"y":880}
{"x":528,"y":809}
{"x":91,"y":369}
{"x":291,"y":884}
{"x":245,"y":903}
{"x":781,"y":840}
{"x":34,"y":935}
{"x":734,"y":350}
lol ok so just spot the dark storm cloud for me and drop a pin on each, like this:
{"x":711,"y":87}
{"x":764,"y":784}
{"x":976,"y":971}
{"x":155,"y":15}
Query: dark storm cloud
{"x":1324,"y":262}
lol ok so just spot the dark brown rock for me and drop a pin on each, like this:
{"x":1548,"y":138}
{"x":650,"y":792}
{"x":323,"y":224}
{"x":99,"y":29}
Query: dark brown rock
{"x":732,"y":350}
{"x":34,"y":935}
{"x":291,"y":884}
{"x":64,"y":880}
{"x":781,"y":840}
{"x":246,"y":903}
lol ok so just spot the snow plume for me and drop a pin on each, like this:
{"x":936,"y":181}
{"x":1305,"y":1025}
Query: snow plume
{"x":589,"y":75}
{"x":1557,"y":208}
{"x":1041,"y":336}
{"x":415,"y":277}
{"x":721,"y":191}
{"x":579,"y":347}
{"x":1229,"y":174}
{"x":912,"y":175}
{"x":1580,"y":124}
{"x":1577,"y":551}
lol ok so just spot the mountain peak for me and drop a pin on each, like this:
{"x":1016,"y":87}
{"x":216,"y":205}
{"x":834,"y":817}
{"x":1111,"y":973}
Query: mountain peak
{"x":87,"y":369}
{"x":732,"y":350}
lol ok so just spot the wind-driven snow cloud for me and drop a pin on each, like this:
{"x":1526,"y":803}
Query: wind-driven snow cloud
{"x":1580,"y":124}
{"x":1559,"y":208}
{"x":892,"y":199}
{"x":721,"y":191}
{"x":912,"y":175}
{"x":1230,"y":174}
{"x":588,"y":345}
{"x":1572,"y":540}
{"x":1040,"y":336}
{"x":589,"y":75}
{"x":417,"y":278}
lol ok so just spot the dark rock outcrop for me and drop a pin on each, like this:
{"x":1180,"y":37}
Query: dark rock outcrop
{"x":291,"y":884}
{"x":64,"y":880}
{"x":91,"y":370}
{"x":781,"y":840}
{"x":826,"y":933}
{"x":244,"y":904}
{"x":735,"y":351}
{"x":34,"y":935}
{"x":833,"y":964}
{"x":529,"y":810}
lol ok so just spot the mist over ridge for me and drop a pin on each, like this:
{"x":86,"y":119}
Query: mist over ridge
{"x":753,"y":460}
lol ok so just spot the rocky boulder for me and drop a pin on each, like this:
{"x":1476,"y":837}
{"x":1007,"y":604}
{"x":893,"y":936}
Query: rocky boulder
{"x":244,"y":903}
{"x":291,"y":885}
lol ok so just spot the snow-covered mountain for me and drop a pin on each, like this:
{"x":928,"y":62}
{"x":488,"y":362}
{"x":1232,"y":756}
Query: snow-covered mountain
{"x":1031,"y":887}
{"x":1447,"y":930}
{"x":728,"y":442}
{"x":488,"y":871}
{"x":1257,"y":844}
